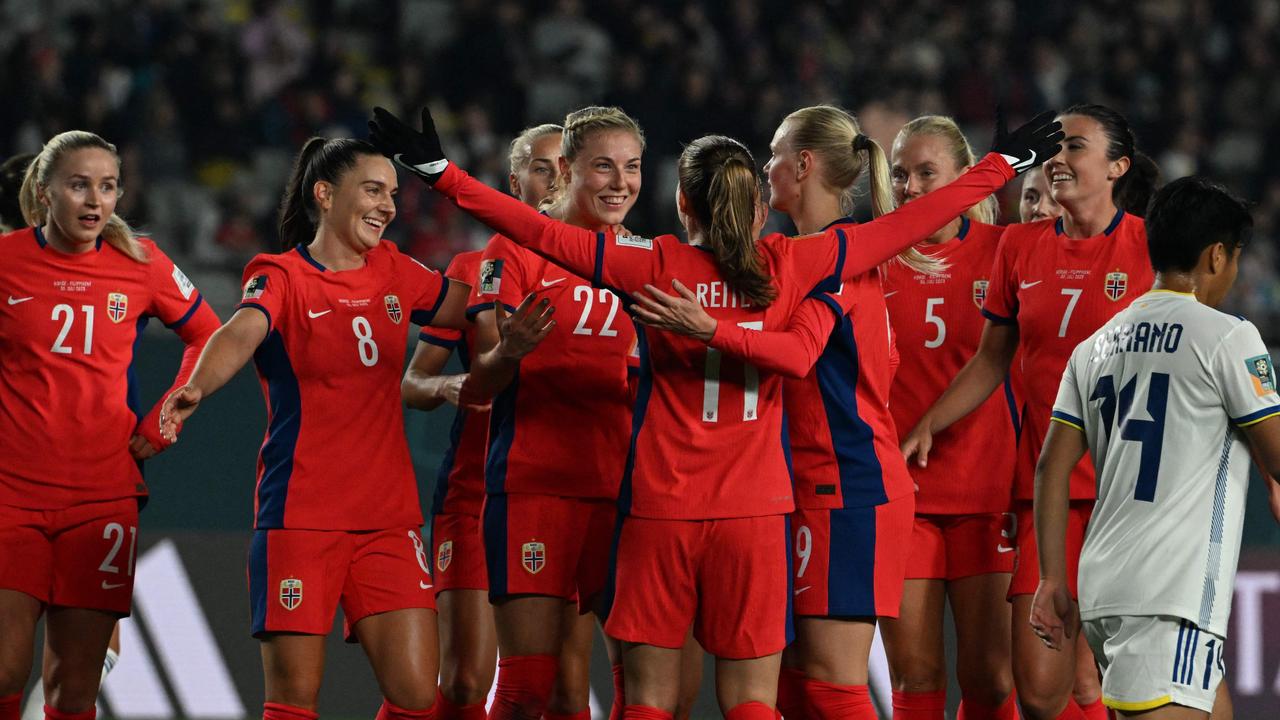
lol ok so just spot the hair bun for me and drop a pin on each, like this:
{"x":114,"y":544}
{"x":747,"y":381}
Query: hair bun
{"x":861,"y":142}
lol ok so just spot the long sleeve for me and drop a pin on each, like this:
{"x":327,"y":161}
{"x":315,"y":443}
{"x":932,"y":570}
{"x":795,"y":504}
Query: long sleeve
{"x":195,"y":333}
{"x":791,"y":352}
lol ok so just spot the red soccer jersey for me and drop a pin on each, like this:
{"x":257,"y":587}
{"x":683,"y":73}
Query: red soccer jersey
{"x":562,"y":426}
{"x":1059,"y":291}
{"x":460,"y":481}
{"x":335,"y":455}
{"x":68,"y":398}
{"x":939,"y":322}
{"x":704,"y":427}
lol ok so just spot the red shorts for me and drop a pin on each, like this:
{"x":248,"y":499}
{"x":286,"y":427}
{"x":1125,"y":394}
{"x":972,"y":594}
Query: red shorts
{"x":728,"y":578}
{"x":458,"y":549}
{"x":950,"y":547}
{"x":1026,"y":572}
{"x":548,"y":545}
{"x":850,"y":562}
{"x":78,"y":557}
{"x":298,"y":577}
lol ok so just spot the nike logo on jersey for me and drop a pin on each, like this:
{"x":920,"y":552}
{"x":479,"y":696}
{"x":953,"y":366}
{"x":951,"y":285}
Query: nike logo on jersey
{"x":111,"y":586}
{"x":1025,"y":285}
{"x":1003,"y":549}
{"x":802,"y":589}
{"x":549,"y":283}
{"x":14,"y":301}
{"x":313,"y":314}
{"x":424,"y":586}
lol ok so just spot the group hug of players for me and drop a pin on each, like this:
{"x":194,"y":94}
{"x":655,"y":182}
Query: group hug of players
{"x":753,"y":446}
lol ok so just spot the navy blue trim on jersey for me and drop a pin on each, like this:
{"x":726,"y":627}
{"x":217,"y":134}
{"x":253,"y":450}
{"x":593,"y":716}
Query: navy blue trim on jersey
{"x":1059,"y":226}
{"x":502,"y":435}
{"x":965,"y":223}
{"x":131,"y":394}
{"x":493,"y":526}
{"x":285,"y":398}
{"x":831,"y":283}
{"x":852,"y":439}
{"x":838,"y":221}
{"x":258,"y":600}
{"x":791,"y":576}
{"x":998,"y":319}
{"x":1255,"y":416}
{"x":597,"y":275}
{"x":830,"y":302}
{"x":851,"y":562}
{"x":460,"y":417}
{"x":1068,"y":418}
{"x":260,"y":309}
{"x":39,"y":233}
{"x":186,"y":316}
{"x":424,"y":317}
{"x":430,"y":339}
{"x":1209,"y":591}
{"x":306,"y":255}
{"x":478,"y":308}
{"x":644,"y":387}
{"x":610,"y":592}
{"x":1014,"y":416}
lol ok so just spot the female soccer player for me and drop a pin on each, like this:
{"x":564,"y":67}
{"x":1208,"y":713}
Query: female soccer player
{"x":81,"y":287}
{"x":468,"y":640}
{"x":337,"y":511}
{"x":1036,"y":201}
{"x":1053,"y":283}
{"x":962,"y":546}
{"x":705,"y":496}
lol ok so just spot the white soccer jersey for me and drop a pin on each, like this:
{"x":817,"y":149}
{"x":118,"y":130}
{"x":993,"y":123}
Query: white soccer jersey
{"x":1160,"y":392}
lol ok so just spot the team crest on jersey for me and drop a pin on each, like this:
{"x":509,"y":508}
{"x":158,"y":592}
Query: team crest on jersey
{"x":1116,"y":284}
{"x":1262,"y":374}
{"x":117,"y":306}
{"x":255,"y":287}
{"x":533,"y":555}
{"x":490,"y":277}
{"x":444,"y":555}
{"x":393,"y":308}
{"x":290,"y":593}
{"x":980,"y":292}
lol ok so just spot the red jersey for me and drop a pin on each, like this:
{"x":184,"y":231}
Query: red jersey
{"x":68,"y":398}
{"x":707,"y":436}
{"x":1059,"y":291}
{"x":335,"y":455}
{"x":939,"y":322}
{"x":460,"y":481}
{"x":562,"y":426}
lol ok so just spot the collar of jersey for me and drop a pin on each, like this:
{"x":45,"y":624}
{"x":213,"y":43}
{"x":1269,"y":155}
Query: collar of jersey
{"x":1165,"y":291}
{"x":306,"y":255}
{"x":97,"y":245}
{"x":838,"y":221}
{"x":1060,"y":228}
{"x":964,"y":227}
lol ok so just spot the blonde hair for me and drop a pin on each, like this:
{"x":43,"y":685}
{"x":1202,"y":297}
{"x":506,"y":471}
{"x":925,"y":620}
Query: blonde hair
{"x":944,"y":127}
{"x":833,"y":134}
{"x":579,"y":126}
{"x":117,"y":232}
{"x":522,"y":147}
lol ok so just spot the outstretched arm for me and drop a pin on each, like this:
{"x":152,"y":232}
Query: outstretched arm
{"x":423,"y":386}
{"x":226,"y":352}
{"x":195,"y":332}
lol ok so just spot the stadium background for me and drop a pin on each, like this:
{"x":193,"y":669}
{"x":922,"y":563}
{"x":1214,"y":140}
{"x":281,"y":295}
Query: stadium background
{"x":208,"y":100}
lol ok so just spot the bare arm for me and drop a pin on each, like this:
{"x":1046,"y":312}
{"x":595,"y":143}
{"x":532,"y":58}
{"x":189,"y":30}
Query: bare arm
{"x":226,"y":352}
{"x":1053,"y":614}
{"x":971,"y":387}
{"x":501,"y":341}
{"x":423,"y":387}
{"x":1264,"y":442}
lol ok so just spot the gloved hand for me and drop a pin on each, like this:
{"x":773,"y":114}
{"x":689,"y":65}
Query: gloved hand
{"x":1029,"y":145}
{"x":417,"y":152}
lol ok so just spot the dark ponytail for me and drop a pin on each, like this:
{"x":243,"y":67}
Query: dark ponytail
{"x":1133,"y":190}
{"x":718,"y":178}
{"x":320,"y":160}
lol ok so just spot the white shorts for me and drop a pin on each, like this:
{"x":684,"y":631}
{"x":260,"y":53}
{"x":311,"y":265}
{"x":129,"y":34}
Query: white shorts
{"x":1152,"y":660}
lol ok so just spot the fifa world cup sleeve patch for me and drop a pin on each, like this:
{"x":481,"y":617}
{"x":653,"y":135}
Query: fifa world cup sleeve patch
{"x":184,"y":284}
{"x":1262,"y":373}
{"x":490,"y":277}
{"x":255,"y":287}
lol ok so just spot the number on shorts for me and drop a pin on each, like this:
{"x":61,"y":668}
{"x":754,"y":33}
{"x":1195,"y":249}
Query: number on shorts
{"x":364,"y":341}
{"x":420,"y":551}
{"x":117,"y":530}
{"x":804,"y":548}
{"x":750,"y":384}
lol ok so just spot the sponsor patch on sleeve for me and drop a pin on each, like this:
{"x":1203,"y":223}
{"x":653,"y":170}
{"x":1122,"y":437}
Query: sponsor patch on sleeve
{"x":1262,"y":373}
{"x":634,"y":241}
{"x":255,"y":287}
{"x":184,"y":284}
{"x":490,"y":277}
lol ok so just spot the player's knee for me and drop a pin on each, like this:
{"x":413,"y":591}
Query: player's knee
{"x":293,"y":691}
{"x":921,"y":673}
{"x":466,"y":686}
{"x":69,"y":694}
{"x":413,"y":698}
{"x":985,"y":683}
{"x":1040,"y":705}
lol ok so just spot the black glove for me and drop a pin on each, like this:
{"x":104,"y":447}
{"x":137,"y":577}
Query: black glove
{"x":1029,"y":145}
{"x":417,"y":152}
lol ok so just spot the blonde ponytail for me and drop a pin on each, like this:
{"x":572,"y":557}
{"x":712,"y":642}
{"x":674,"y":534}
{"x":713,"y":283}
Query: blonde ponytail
{"x":882,"y":202}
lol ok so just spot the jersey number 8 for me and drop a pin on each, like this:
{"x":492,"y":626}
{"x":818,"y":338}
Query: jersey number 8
{"x":365,"y":345}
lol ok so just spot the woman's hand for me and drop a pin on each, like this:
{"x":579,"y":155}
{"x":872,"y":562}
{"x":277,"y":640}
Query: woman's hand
{"x":919,"y":442}
{"x":680,"y":313}
{"x":523,"y":330}
{"x":177,"y":408}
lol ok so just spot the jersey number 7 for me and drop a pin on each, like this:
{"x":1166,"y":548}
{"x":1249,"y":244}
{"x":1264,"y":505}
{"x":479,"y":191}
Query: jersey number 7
{"x":1148,"y":432}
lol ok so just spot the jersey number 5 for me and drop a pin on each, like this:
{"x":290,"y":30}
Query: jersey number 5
{"x":1150,"y":433}
{"x":711,"y":384}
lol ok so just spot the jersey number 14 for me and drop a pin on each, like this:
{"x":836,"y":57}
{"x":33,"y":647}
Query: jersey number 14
{"x":1150,"y":433}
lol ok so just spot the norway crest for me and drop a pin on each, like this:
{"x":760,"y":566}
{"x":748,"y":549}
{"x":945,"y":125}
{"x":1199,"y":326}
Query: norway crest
{"x":533,"y":555}
{"x":444,"y":555}
{"x":117,"y":306}
{"x":393,"y":308}
{"x":980,"y":292}
{"x":1115,"y":285}
{"x":290,"y":593}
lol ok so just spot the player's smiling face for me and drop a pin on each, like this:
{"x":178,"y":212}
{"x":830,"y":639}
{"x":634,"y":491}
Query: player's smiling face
{"x":1037,"y":201}
{"x":782,"y":170}
{"x":362,"y":204}
{"x":921,"y":164}
{"x":604,"y":179}
{"x":81,"y":196}
{"x":1082,"y":171}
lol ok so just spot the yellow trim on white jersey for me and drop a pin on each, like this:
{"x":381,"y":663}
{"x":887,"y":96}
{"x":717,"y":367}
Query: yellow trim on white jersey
{"x":1136,"y":706}
{"x":1254,"y":422}
{"x":1068,"y":423}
